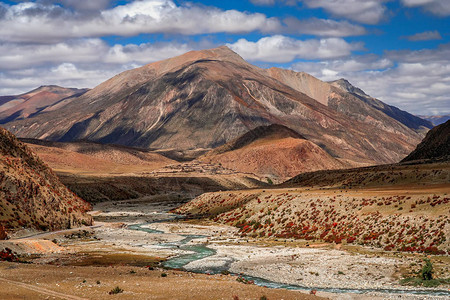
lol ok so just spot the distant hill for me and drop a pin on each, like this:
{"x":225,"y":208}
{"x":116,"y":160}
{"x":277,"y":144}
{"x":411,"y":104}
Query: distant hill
{"x":205,"y":99}
{"x":435,"y":145}
{"x":273,"y":152}
{"x":31,"y":195}
{"x":436,"y":120}
{"x":27,"y":104}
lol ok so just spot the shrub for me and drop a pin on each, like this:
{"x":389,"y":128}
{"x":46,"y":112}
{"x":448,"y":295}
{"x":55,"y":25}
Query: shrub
{"x":163,"y":274}
{"x":116,"y":290}
{"x":427,"y":270}
{"x":263,"y":298}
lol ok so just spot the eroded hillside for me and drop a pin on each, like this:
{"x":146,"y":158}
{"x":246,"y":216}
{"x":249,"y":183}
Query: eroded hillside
{"x":31,"y":195}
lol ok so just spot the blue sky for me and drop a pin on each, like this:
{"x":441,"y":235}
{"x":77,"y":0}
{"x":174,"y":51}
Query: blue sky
{"x":395,"y":50}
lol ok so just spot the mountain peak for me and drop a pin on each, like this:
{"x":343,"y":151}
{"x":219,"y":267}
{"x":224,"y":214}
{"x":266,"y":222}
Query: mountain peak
{"x":345,"y":85}
{"x":222,"y":53}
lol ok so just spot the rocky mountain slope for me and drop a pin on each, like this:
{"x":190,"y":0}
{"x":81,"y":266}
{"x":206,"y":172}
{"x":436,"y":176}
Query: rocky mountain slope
{"x":435,"y":145}
{"x":30,"y":193}
{"x":27,"y":104}
{"x":403,"y":117}
{"x":273,"y":152}
{"x":204,"y":99}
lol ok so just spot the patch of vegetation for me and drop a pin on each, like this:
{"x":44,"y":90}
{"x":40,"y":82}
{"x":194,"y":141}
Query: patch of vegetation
{"x":263,"y":298}
{"x":115,"y":291}
{"x":244,"y":280}
{"x":163,"y":274}
{"x":269,"y":181}
{"x":425,"y":277}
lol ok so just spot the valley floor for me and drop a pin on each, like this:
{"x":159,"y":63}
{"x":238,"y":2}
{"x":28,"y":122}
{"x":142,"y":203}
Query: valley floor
{"x":115,"y":255}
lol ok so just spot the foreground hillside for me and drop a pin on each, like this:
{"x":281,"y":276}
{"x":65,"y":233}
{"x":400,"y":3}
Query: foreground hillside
{"x":404,"y":208}
{"x":204,"y":99}
{"x":31,"y":195}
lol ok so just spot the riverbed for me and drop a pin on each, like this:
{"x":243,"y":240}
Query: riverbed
{"x":212,"y":249}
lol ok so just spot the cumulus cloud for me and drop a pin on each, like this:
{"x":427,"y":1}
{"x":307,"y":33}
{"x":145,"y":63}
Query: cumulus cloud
{"x":37,"y":22}
{"x":50,"y":23}
{"x":64,"y":74}
{"x":416,"y":81}
{"x":437,"y":7}
{"x":362,"y":11}
{"x":263,"y":2}
{"x":96,"y":5}
{"x":323,"y":27}
{"x":425,"y":36}
{"x":77,"y":63}
{"x":281,"y":49}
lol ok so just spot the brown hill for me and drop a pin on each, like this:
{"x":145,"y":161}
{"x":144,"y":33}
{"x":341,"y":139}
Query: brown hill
{"x":30,"y":193}
{"x":274,"y":152}
{"x":25,"y":105}
{"x":435,"y":145}
{"x":94,"y":158}
{"x":204,"y":99}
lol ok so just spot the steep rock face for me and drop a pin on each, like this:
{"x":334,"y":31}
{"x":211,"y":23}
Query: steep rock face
{"x":25,"y":105}
{"x":435,"y":145}
{"x":31,"y":195}
{"x":275,"y":152}
{"x":204,"y":99}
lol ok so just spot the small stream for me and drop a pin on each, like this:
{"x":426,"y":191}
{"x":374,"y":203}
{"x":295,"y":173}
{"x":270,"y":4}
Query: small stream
{"x":200,"y":251}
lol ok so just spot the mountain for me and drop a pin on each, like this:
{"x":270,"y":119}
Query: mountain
{"x":274,"y":152}
{"x":25,"y":105}
{"x":436,"y":120}
{"x":435,"y":145}
{"x":204,"y":99}
{"x":30,"y":193}
{"x":404,"y":117}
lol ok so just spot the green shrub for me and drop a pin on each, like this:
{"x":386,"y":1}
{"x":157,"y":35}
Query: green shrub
{"x":427,"y":270}
{"x":425,"y":277}
{"x":116,"y":290}
{"x":163,"y":274}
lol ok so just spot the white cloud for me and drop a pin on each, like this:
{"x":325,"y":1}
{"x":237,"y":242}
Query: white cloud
{"x":281,"y":49}
{"x":437,"y":7}
{"x":31,"y":22}
{"x":77,"y":63}
{"x":36,"y":22}
{"x":425,"y":36}
{"x":65,"y":74}
{"x":416,"y":81}
{"x":263,"y":2}
{"x":323,"y":27}
{"x":363,"y":11}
